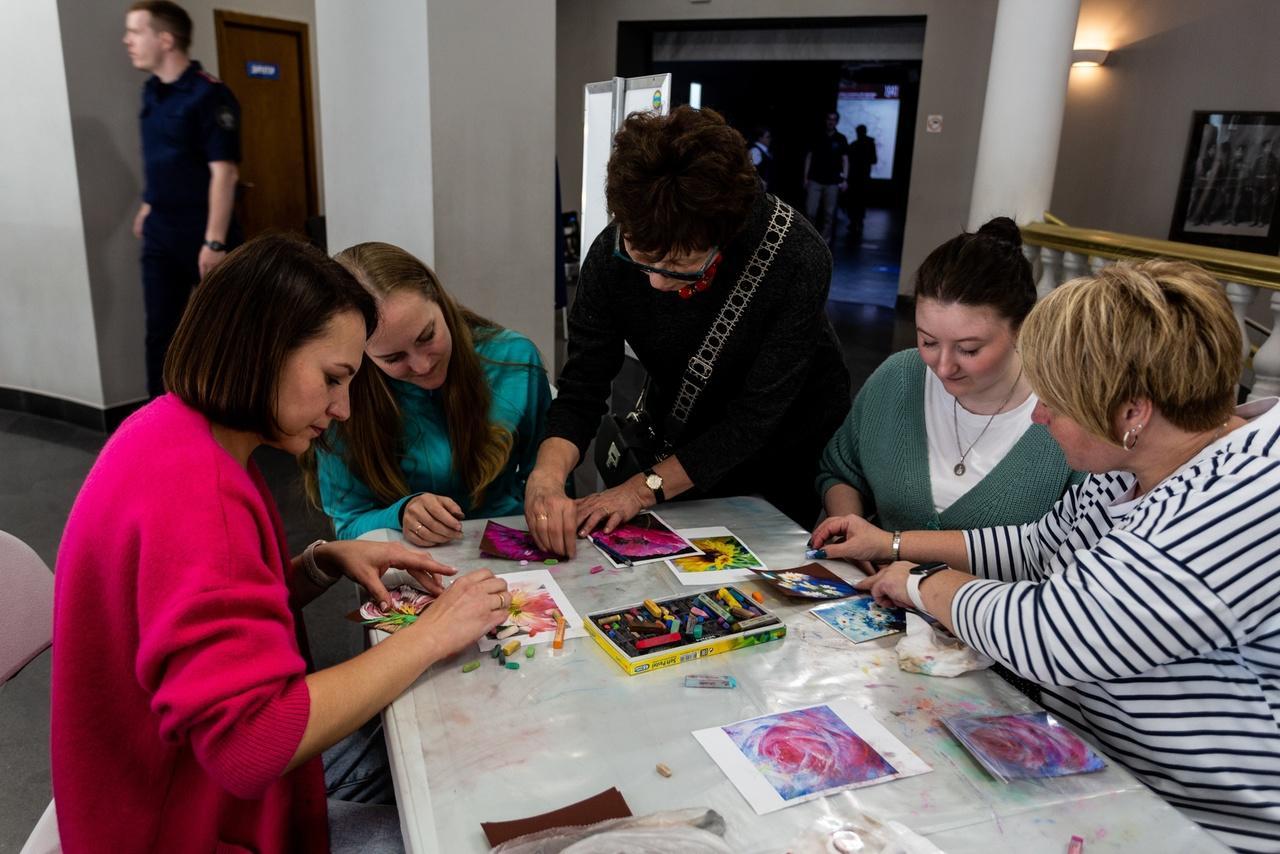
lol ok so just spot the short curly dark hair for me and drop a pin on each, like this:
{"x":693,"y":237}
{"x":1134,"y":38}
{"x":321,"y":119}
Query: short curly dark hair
{"x":679,"y":183}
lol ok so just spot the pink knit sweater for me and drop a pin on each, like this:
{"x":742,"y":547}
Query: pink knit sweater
{"x":178,"y":691}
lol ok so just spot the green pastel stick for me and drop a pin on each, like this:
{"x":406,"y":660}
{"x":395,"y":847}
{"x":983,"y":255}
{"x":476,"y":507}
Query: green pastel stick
{"x":469,"y":666}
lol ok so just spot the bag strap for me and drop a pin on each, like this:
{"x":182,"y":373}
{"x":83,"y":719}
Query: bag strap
{"x":698,"y":372}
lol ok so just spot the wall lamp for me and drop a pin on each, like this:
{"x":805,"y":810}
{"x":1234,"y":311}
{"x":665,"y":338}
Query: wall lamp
{"x":1088,"y":58}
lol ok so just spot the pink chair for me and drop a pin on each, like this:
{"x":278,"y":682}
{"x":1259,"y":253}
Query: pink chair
{"x":27,"y":603}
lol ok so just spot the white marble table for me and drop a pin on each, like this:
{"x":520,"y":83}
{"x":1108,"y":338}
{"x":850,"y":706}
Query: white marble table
{"x":496,"y":744}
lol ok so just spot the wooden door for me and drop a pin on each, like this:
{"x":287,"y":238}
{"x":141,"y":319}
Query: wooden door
{"x":267,"y":64}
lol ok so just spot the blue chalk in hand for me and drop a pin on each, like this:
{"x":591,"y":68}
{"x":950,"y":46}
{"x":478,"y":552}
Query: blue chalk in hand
{"x":815,"y":554}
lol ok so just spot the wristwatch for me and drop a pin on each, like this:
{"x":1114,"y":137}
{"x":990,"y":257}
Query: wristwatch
{"x":915,"y":577}
{"x":653,"y":480}
{"x":216,"y":245}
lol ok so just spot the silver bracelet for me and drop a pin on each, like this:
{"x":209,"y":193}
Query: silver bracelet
{"x":315,"y":574}
{"x":897,"y":546}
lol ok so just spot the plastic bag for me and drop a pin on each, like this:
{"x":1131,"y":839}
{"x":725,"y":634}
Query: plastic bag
{"x":690,"y":831}
{"x":861,"y":835}
{"x":932,"y":651}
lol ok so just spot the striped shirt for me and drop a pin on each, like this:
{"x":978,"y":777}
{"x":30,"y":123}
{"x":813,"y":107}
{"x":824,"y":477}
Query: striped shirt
{"x":1157,"y":632}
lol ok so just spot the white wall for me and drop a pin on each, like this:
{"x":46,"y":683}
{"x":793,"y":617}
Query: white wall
{"x":957,"y":49}
{"x":47,"y":336}
{"x":1127,"y":123}
{"x":440,"y":137}
{"x":493,"y":150}
{"x":375,"y":112}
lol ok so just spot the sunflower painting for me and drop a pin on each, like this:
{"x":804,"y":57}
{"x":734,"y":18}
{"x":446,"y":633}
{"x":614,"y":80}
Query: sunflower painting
{"x":725,"y":558}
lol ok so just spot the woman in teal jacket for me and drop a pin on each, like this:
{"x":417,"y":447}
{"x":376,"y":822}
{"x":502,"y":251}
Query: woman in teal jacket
{"x":448,"y":426}
{"x":940,"y":437}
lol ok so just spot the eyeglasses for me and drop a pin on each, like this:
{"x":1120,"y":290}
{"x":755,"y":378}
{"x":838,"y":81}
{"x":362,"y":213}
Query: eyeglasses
{"x":619,"y":251}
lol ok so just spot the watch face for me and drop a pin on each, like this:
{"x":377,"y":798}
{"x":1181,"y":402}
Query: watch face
{"x":653,"y":481}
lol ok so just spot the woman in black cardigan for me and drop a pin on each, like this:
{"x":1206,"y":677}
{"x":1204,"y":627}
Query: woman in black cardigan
{"x":690,"y":222}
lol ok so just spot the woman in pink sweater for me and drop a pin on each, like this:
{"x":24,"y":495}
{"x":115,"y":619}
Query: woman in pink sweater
{"x":184,"y":714}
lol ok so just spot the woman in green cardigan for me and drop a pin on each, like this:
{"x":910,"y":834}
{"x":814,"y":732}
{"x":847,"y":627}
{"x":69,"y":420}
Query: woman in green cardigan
{"x":940,"y":437}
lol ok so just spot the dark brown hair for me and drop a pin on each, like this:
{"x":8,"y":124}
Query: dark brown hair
{"x":982,"y":269}
{"x":266,"y":299}
{"x":372,"y":437}
{"x":679,"y":183}
{"x":168,"y":17}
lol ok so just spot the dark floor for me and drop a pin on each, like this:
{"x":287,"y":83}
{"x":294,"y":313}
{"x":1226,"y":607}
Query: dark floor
{"x":42,"y":463}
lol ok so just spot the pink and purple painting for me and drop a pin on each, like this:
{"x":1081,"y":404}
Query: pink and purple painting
{"x":806,"y":752}
{"x":645,"y":538}
{"x":510,"y":544}
{"x":1030,"y":745}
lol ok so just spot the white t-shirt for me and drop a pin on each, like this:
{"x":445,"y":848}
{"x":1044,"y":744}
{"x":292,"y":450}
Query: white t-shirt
{"x":1005,"y":431}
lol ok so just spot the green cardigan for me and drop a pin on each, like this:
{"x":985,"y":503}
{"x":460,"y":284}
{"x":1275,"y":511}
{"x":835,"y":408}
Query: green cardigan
{"x":882,"y":451}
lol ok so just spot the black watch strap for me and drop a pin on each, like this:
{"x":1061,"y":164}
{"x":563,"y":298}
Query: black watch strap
{"x":215,"y":245}
{"x":657,"y":490}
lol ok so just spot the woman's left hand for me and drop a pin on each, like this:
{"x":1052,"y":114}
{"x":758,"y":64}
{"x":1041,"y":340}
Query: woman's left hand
{"x":889,"y":585}
{"x":609,"y":509}
{"x":366,"y":562}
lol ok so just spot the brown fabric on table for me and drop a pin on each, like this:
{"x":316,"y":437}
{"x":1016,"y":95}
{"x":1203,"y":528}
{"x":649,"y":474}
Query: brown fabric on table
{"x":602,"y":807}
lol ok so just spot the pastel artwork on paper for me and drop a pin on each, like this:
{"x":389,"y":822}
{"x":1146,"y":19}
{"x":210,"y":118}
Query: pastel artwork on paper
{"x":645,"y":538}
{"x":533,"y":597}
{"x":406,"y":604}
{"x":861,"y":619}
{"x":718,"y":554}
{"x":1030,"y":745}
{"x":510,"y":544}
{"x":811,"y":581}
{"x":806,"y":752}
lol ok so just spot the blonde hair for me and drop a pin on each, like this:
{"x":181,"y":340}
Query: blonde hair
{"x":1156,"y":330}
{"x":372,"y":437}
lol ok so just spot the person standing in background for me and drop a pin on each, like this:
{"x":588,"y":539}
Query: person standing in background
{"x":862,"y":156}
{"x":761,"y":156}
{"x":190,"y":148}
{"x":826,"y":175}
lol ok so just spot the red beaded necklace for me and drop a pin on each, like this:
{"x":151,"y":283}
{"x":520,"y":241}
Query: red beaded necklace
{"x":705,"y":282}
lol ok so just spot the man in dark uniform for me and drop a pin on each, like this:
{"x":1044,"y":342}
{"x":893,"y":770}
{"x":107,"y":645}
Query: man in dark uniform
{"x":190,"y":147}
{"x":826,"y":173}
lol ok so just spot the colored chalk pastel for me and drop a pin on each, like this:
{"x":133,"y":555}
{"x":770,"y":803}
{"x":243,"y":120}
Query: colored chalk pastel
{"x":528,"y":652}
{"x":660,"y":640}
{"x":472,"y":665}
{"x":524,"y":563}
{"x":558,"y":641}
{"x":595,"y":569}
{"x":754,"y":622}
{"x":662,"y":769}
{"x":741,"y":613}
{"x":758,"y":596}
{"x":507,"y":631}
{"x":510,"y":646}
{"x":652,"y":608}
{"x":551,"y":561}
{"x":697,"y":632}
{"x":502,"y":658}
{"x":815,"y":554}
{"x":695,"y":610}
{"x":513,"y":665}
{"x":604,"y":621}
{"x":495,"y":652}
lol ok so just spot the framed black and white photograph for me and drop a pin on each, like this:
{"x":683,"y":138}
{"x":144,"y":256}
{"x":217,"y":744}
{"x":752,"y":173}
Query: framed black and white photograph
{"x":1230,"y":183}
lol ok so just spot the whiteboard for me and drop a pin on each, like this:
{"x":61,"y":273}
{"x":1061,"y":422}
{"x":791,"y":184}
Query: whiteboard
{"x":601,"y":118}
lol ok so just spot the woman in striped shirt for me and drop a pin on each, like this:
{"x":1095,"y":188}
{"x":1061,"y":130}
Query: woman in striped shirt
{"x":1147,"y":602}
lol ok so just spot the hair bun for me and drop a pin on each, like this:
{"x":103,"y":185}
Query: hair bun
{"x":1003,"y":229}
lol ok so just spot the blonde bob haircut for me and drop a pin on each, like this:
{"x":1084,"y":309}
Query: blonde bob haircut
{"x":1156,"y":330}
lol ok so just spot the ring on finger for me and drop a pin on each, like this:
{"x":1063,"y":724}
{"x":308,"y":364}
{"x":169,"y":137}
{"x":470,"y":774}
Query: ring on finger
{"x":541,"y":517}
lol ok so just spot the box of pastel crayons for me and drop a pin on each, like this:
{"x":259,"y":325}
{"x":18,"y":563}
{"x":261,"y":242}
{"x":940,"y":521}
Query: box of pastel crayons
{"x":654,"y":634}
